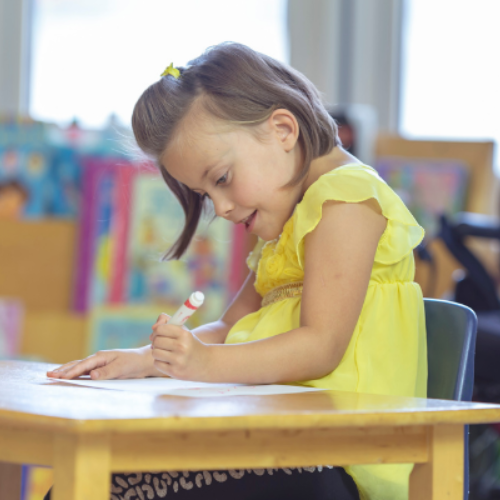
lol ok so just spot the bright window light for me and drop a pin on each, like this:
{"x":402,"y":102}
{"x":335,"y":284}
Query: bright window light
{"x":451,"y":79}
{"x":93,"y":58}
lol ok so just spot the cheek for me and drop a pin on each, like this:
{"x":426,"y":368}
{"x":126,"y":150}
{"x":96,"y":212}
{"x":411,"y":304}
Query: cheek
{"x":246,"y":192}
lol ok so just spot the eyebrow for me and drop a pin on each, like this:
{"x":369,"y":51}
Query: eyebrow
{"x":219,"y":161}
{"x":207,"y":170}
{"x":205,"y":174}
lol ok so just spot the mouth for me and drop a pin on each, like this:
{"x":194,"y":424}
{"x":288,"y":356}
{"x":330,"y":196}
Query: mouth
{"x":248,"y":221}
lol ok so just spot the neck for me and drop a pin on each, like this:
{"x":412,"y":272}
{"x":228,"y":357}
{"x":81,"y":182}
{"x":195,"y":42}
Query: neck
{"x":337,"y":157}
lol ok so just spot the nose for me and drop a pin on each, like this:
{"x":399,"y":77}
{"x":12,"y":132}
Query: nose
{"x":223,"y":206}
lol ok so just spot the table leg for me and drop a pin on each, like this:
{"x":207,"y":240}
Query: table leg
{"x":81,"y":467}
{"x":10,"y":481}
{"x":441,"y":478}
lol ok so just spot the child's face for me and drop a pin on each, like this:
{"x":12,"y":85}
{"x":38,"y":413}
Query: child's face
{"x":12,"y":203}
{"x":243,"y":174}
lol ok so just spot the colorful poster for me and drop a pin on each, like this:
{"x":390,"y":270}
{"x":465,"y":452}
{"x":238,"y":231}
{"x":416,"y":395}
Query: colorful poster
{"x":28,"y":169}
{"x":122,"y":327}
{"x":428,"y":187}
{"x":103,"y":232}
{"x":156,"y":221}
{"x":45,"y":176}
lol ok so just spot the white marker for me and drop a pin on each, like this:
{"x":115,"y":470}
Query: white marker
{"x":187,"y":309}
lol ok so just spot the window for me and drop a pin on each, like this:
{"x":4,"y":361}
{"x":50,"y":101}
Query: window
{"x":451,"y":82}
{"x":92,"y":58}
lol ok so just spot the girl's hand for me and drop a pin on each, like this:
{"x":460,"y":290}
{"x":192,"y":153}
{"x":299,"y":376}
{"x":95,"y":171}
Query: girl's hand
{"x":115,"y":364}
{"x":178,"y":352}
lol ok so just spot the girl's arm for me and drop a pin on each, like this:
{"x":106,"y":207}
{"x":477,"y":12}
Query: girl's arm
{"x":138,"y":363}
{"x":246,"y":301}
{"x":339,"y":256}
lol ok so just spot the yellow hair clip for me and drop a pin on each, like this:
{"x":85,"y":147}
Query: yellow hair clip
{"x":171,"y":71}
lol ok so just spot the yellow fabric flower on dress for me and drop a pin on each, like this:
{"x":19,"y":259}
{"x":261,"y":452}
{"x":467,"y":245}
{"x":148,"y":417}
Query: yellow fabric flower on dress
{"x":278,"y":263}
{"x":171,"y":71}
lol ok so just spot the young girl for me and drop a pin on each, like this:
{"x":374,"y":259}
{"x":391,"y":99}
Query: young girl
{"x":330,"y":299}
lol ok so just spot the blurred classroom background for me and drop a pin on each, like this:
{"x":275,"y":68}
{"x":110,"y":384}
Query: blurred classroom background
{"x":84,"y":220}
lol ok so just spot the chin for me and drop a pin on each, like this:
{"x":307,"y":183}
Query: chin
{"x":268,"y":236}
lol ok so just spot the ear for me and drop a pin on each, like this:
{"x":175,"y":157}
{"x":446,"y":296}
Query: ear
{"x":285,"y":128}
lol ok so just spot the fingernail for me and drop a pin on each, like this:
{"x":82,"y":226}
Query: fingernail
{"x":95,"y":374}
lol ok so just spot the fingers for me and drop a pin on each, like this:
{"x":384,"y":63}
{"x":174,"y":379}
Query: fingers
{"x":164,"y":330}
{"x":85,"y":366}
{"x":161,"y":343}
{"x":109,"y":371}
{"x":62,"y":370}
{"x":178,"y":353}
{"x":163,"y":355}
{"x":162,"y":320}
{"x":171,"y":352}
{"x":168,"y":341}
{"x":54,"y":373}
{"x":163,"y":367}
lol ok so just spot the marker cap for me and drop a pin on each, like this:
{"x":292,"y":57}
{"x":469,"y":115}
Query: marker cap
{"x":197,"y":298}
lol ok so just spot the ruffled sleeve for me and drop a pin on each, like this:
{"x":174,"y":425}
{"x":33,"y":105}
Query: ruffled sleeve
{"x":354,"y":184}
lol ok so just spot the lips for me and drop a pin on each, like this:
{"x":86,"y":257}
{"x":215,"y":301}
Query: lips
{"x":249,"y":220}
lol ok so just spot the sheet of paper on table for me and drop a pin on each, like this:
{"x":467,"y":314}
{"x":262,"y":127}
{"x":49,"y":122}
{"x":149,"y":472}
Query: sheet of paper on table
{"x":173,"y":387}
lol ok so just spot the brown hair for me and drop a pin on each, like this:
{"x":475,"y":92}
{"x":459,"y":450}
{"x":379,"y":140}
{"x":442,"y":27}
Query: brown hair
{"x":15,"y":185}
{"x":238,"y":85}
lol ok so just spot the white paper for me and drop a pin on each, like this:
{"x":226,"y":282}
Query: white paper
{"x":173,"y":387}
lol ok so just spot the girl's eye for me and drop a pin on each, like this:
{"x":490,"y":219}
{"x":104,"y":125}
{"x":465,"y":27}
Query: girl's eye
{"x":222,"y":180}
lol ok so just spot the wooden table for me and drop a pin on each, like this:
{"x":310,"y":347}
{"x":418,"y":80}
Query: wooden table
{"x":86,"y":433}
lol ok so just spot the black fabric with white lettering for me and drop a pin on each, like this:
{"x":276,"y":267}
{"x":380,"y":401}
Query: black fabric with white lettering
{"x":309,"y":483}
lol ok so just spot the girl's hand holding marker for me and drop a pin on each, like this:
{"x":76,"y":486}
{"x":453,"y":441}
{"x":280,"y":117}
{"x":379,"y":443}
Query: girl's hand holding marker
{"x":140,"y":362}
{"x":176,"y":351}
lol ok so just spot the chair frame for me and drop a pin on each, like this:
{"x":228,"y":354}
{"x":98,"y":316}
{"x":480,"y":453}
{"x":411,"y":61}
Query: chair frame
{"x":464,"y":378}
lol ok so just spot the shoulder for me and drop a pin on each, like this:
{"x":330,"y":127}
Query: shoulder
{"x":346,"y":183}
{"x":357,"y":186}
{"x":353,"y":183}
{"x":352,"y":227}
{"x":342,"y":198}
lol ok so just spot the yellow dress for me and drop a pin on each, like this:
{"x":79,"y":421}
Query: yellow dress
{"x":387,"y":353}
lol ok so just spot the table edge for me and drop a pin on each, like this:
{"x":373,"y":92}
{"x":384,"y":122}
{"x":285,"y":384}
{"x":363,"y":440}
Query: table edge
{"x":223,"y":423}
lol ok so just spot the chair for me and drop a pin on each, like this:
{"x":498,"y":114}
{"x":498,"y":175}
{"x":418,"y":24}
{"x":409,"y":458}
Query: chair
{"x":451,"y":338}
{"x":478,"y":290}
